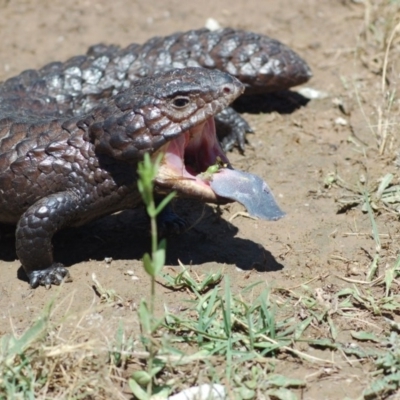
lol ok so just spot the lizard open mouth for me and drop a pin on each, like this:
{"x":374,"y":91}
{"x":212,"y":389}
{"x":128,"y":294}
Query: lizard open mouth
{"x":191,"y":165}
{"x":188,"y":156}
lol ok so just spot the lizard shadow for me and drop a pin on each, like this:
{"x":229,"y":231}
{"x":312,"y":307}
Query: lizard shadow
{"x":125,"y":235}
{"x":283,"y":102}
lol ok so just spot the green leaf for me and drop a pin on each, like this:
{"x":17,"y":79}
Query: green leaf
{"x":143,"y":378}
{"x":164,"y":202}
{"x":156,"y":369}
{"x":375,"y":231}
{"x":390,"y":275}
{"x":345,"y":292}
{"x":162,"y":245}
{"x":144,"y":317}
{"x":246,"y":394}
{"x":144,"y":190}
{"x":148,"y":265}
{"x":364,"y":336}
{"x":300,"y":328}
{"x":386,"y":180}
{"x":332,"y":326}
{"x":158,"y":261}
{"x":35,"y":332}
{"x":282,"y":394}
{"x":373,"y":268}
{"x":161,"y":392}
{"x":283,"y":381}
{"x":379,"y":387}
{"x":137,"y":390}
{"x":227,"y":308}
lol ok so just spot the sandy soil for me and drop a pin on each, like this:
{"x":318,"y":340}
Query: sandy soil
{"x":293,"y":151}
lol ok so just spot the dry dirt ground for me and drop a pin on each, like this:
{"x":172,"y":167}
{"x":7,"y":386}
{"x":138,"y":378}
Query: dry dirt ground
{"x":295,"y":149}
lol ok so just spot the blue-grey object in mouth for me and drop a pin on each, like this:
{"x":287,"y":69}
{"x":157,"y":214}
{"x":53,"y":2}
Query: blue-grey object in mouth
{"x":247,"y":189}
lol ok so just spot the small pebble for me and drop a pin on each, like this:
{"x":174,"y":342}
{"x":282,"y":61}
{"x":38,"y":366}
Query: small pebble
{"x":312,"y":94}
{"x":341,"y":121}
{"x":212,"y":24}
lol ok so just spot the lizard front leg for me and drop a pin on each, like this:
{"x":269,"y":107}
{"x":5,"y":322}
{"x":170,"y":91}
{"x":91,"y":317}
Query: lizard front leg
{"x":35,"y":231}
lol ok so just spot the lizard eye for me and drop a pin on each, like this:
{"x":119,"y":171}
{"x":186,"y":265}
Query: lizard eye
{"x":180,"y":101}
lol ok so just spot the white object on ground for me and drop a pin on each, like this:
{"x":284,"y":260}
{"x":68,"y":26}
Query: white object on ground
{"x":212,"y":24}
{"x":202,"y":392}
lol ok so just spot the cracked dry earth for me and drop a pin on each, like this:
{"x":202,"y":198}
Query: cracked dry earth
{"x":294,"y":148}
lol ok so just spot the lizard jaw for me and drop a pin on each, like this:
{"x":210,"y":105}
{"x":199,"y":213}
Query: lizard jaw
{"x":187,"y":156}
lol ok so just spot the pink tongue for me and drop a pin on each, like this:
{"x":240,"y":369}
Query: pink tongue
{"x":249,"y":190}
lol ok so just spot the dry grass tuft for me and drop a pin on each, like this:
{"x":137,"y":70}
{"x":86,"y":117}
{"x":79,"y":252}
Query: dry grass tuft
{"x":62,"y":358}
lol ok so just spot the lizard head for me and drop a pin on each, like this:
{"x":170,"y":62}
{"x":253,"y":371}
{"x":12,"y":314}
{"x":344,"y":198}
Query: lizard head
{"x":170,"y":113}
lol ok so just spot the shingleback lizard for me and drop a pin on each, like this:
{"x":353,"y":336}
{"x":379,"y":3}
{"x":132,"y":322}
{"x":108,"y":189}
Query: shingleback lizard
{"x":71,"y":134}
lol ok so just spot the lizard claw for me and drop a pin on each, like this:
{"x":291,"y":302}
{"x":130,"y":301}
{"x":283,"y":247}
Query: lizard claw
{"x":232,"y":129}
{"x":170,"y":223}
{"x":53,"y":275}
